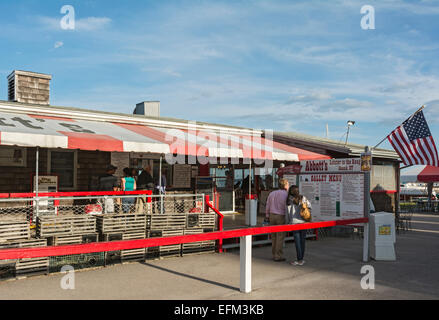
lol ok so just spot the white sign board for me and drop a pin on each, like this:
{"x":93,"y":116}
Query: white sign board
{"x":46,"y":184}
{"x":335,"y":190}
{"x":332,"y":165}
{"x":182,"y":176}
{"x":291,"y":178}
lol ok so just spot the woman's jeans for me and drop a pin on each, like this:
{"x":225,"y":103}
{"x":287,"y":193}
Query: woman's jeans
{"x":127,"y":204}
{"x":299,"y":241}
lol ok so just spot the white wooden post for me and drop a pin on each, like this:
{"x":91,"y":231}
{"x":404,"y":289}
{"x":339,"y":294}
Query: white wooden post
{"x":37,"y":175}
{"x":366,"y":243}
{"x":366,"y":206}
{"x":245,"y":252}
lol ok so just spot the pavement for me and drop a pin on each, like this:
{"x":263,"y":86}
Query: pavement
{"x":332,"y":271}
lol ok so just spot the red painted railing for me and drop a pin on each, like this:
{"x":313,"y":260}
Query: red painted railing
{"x":220,"y":220}
{"x":154,"y":242}
{"x":74,"y":194}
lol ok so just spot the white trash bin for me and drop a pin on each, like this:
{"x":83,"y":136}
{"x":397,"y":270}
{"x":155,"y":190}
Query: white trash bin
{"x":382,"y":236}
{"x":251,"y":211}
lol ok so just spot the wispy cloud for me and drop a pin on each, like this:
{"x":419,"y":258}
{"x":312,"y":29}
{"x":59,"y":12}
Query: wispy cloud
{"x":286,"y":65}
{"x":81,"y":25}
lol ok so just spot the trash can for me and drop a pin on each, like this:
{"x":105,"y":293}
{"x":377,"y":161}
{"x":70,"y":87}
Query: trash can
{"x":251,"y":210}
{"x":382,"y":236}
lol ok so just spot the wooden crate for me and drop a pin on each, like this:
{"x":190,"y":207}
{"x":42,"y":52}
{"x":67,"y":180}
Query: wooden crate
{"x":207,"y":220}
{"x":200,"y":220}
{"x":27,"y":266}
{"x":72,"y":239}
{"x":124,"y":255}
{"x":32,"y":266}
{"x":173,"y":250}
{"x":113,"y":223}
{"x":27,"y":243}
{"x":199,"y":246}
{"x":165,"y":221}
{"x":133,"y":254}
{"x":48,"y":226}
{"x":14,"y":229}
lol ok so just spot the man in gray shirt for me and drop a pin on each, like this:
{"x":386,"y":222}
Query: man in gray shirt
{"x":275,"y":211}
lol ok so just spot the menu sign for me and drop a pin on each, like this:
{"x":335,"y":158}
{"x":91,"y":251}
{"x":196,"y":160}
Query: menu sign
{"x":334,"y":196}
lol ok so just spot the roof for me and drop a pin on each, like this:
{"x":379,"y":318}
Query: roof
{"x":30,"y":74}
{"x":350,"y":149}
{"x":72,"y":128}
{"x":420,"y":173}
{"x":87,"y":114}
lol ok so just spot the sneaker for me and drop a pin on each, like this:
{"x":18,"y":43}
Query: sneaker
{"x":298,"y":263}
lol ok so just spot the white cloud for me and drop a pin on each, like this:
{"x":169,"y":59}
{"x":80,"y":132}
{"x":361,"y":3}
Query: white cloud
{"x":313,"y":96}
{"x":84,"y":24}
{"x":92,"y":23}
{"x":230,"y":59}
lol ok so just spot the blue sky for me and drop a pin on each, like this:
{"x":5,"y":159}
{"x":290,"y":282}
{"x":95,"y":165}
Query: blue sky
{"x":281,"y":65}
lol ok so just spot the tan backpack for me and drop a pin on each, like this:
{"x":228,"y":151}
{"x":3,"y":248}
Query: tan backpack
{"x":305,"y":213}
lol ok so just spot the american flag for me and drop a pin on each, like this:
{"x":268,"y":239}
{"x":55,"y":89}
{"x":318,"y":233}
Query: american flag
{"x":413,"y":142}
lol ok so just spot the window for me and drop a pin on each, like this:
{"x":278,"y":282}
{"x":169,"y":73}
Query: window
{"x":12,"y":157}
{"x":166,"y":168}
{"x":63,"y":164}
{"x":383,"y":177}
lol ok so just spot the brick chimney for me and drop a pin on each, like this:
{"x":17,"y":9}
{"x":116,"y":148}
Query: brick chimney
{"x":29,"y":87}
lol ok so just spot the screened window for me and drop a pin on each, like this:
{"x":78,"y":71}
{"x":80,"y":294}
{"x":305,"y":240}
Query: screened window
{"x":63,"y":164}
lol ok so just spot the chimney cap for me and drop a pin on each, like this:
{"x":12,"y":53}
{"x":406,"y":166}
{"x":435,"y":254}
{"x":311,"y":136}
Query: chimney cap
{"x":30,"y":74}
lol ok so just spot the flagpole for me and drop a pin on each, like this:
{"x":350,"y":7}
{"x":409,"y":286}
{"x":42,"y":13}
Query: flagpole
{"x":380,"y":142}
{"x":406,"y":120}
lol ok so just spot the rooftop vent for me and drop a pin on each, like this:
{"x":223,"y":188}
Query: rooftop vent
{"x":29,"y":87}
{"x":148,"y":109}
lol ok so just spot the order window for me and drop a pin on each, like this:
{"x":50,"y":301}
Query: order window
{"x":63,"y":164}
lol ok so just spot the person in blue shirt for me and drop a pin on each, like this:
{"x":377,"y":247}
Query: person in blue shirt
{"x":128,"y":184}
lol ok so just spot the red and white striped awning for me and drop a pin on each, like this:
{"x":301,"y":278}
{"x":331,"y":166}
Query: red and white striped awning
{"x":420,"y":173}
{"x":32,"y":130}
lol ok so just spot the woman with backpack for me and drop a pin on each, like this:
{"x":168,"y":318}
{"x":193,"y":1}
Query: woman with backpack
{"x":296,"y":213}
